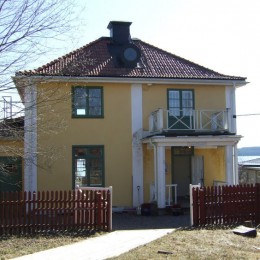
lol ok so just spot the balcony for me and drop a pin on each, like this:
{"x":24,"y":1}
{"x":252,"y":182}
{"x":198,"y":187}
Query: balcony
{"x":10,"y":109}
{"x":189,"y":120}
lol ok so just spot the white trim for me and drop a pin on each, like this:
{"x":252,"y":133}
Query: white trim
{"x":30,"y":139}
{"x":137,"y":148}
{"x":137,"y":107}
{"x":231,"y":106}
{"x":233,"y":96}
{"x":196,"y":141}
{"x":237,"y":83}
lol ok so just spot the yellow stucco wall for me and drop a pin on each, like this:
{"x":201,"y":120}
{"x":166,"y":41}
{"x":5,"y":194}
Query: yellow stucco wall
{"x":205,"y":97}
{"x":113,"y":131}
{"x":58,"y":132}
{"x":11,"y":147}
{"x":214,"y":164}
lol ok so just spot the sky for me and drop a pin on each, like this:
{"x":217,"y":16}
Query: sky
{"x":222,"y":35}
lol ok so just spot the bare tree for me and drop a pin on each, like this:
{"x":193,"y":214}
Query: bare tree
{"x":28,"y":30}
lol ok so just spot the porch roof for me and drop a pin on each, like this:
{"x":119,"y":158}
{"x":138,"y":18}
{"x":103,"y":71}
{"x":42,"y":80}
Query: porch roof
{"x":196,"y":141}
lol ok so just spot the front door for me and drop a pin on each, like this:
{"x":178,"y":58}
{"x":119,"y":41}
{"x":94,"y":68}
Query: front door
{"x":180,"y":107}
{"x":182,"y":174}
{"x":10,"y":174}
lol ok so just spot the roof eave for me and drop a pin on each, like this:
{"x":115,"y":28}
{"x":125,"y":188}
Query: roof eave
{"x":36,"y":78}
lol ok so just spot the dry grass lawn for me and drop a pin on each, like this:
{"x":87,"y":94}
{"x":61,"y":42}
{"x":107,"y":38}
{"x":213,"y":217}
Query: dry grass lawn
{"x":199,"y":244}
{"x":14,"y":246}
{"x":181,"y":244}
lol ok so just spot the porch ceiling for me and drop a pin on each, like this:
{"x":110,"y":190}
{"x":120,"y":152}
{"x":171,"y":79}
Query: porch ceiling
{"x":196,"y":141}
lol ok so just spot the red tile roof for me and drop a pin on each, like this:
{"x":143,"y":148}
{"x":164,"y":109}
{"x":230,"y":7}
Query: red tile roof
{"x":94,"y":60}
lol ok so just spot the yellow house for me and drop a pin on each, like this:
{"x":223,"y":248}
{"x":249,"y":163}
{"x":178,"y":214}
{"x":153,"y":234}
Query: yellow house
{"x":120,"y":112}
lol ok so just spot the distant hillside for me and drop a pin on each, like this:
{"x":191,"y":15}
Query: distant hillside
{"x":249,"y":151}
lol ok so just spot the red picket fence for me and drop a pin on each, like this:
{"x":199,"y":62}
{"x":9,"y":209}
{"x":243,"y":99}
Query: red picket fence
{"x":226,"y":205}
{"x":31,"y":212}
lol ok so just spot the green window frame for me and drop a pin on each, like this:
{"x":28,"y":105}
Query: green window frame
{"x":88,"y":166}
{"x":180,"y":104}
{"x":87,"y":102}
{"x":180,"y":101}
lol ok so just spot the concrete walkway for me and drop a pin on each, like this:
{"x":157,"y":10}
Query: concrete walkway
{"x":102,"y":247}
{"x":130,"y":231}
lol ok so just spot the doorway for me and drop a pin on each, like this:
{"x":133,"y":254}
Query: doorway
{"x":181,"y":173}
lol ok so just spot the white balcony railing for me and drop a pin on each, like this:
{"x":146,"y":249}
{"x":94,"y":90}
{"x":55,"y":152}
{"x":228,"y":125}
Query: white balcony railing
{"x":10,"y":109}
{"x":189,"y":119}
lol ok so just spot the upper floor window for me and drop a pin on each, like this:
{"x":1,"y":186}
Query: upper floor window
{"x":180,"y":108}
{"x":87,"y":102}
{"x":180,"y":102}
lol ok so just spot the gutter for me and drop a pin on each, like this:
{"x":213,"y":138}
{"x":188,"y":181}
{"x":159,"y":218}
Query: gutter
{"x":237,"y":83}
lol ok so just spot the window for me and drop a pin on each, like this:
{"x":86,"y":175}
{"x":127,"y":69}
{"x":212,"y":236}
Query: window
{"x":87,"y":102}
{"x":180,"y":106}
{"x":88,"y":166}
{"x":182,"y":150}
{"x":180,"y":102}
{"x":10,"y":174}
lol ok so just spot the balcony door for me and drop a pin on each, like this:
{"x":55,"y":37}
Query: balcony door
{"x":180,"y":107}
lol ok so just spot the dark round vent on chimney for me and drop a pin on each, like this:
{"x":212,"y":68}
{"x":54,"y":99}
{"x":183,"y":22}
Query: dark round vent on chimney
{"x":130,"y":55}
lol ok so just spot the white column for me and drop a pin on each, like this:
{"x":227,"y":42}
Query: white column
{"x":137,"y":148}
{"x":234,"y":109}
{"x":229,"y":165}
{"x":236,"y":179}
{"x":155,"y":171}
{"x":30,"y":139}
{"x":161,"y":177}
